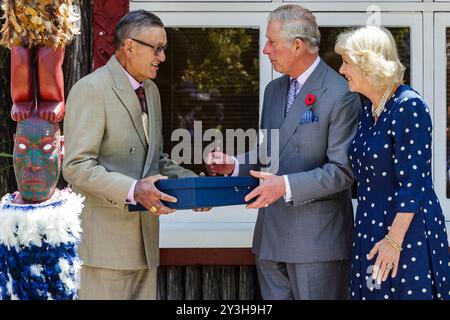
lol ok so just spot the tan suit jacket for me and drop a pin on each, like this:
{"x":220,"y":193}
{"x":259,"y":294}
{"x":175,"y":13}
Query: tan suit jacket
{"x":105,"y":151}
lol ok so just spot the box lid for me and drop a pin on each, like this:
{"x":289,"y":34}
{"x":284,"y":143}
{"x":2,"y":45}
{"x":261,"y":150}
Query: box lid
{"x":204,"y":192}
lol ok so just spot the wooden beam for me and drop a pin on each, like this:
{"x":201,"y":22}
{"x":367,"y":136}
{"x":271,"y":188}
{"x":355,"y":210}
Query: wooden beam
{"x":206,"y":256}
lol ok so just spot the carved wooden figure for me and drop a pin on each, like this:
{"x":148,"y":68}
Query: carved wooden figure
{"x":40,"y":226}
{"x":37,"y":32}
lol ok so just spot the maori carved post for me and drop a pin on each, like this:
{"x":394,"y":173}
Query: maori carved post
{"x":40,"y":227}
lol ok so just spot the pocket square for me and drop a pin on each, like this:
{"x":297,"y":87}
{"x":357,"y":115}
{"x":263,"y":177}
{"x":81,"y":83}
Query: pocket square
{"x":308,"y":117}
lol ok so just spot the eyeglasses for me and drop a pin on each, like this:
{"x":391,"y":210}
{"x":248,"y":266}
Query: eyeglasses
{"x":158,"y":49}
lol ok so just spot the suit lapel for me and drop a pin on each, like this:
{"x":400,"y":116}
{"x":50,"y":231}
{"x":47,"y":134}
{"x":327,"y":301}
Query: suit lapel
{"x":127,"y":96}
{"x":313,"y":85}
{"x":151,"y":126}
{"x":280,"y":95}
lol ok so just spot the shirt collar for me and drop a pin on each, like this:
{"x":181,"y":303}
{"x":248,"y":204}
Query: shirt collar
{"x":133,"y":81}
{"x":305,"y":75}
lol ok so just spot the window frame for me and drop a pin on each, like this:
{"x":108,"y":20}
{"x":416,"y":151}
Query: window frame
{"x":442,"y":22}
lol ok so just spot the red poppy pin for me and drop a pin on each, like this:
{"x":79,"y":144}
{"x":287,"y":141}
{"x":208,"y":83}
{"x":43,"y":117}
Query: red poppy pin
{"x":310,"y":99}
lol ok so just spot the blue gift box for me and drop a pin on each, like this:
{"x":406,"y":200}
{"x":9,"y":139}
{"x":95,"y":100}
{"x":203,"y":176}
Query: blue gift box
{"x":204,"y":192}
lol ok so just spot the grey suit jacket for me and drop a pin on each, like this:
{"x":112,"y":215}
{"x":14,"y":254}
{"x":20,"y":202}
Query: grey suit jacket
{"x":105,"y":151}
{"x":317,"y":225}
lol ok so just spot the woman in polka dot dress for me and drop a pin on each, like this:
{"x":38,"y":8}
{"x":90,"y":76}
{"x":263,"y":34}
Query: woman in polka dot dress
{"x":400,"y":247}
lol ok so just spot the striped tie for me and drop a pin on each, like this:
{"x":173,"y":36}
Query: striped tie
{"x":291,"y":94}
{"x":141,"y":96}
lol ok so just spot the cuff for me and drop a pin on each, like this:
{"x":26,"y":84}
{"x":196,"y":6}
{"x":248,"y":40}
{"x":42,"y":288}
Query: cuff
{"x":130,"y":197}
{"x":288,"y":195}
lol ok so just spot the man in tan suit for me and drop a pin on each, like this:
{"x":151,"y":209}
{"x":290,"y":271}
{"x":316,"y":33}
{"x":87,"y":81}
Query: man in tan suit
{"x":114,"y":156}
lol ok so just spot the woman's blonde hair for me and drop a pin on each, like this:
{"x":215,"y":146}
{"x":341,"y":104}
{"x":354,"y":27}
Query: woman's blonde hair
{"x":374,"y":52}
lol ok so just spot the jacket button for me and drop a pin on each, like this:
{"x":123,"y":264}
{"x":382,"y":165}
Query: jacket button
{"x":132,"y":150}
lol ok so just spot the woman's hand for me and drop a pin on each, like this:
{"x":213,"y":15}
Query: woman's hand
{"x":388,"y":249}
{"x":387,"y":260}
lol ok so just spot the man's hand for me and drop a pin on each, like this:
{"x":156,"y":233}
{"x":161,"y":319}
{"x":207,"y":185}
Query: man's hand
{"x":219,"y":163}
{"x":270,"y":190}
{"x":146,"y":194}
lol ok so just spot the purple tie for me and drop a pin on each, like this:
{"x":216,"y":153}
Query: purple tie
{"x":141,"y":96}
{"x":291,"y":94}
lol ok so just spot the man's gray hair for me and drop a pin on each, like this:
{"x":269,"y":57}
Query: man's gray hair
{"x":298,"y":22}
{"x":133,"y":23}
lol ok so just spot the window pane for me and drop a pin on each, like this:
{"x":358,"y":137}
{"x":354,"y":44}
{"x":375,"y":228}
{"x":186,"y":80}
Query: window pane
{"x":210,"y":75}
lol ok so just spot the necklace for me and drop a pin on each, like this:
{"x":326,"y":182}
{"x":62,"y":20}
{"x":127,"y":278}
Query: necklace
{"x":377,"y":112}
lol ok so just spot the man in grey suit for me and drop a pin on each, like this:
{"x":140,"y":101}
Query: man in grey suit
{"x":302,"y":237}
{"x":114,"y":156}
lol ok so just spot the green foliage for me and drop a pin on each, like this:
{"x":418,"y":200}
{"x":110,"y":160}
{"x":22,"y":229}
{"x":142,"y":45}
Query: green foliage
{"x":216,"y":62}
{"x":5,"y":155}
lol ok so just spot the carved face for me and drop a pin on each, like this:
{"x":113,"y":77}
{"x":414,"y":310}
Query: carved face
{"x":37,"y":158}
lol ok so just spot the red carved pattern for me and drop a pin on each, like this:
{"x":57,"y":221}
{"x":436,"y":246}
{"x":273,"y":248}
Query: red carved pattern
{"x":106,"y":15}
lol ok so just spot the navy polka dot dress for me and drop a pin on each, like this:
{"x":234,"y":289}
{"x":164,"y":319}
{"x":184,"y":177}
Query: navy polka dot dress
{"x":391,"y":160}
